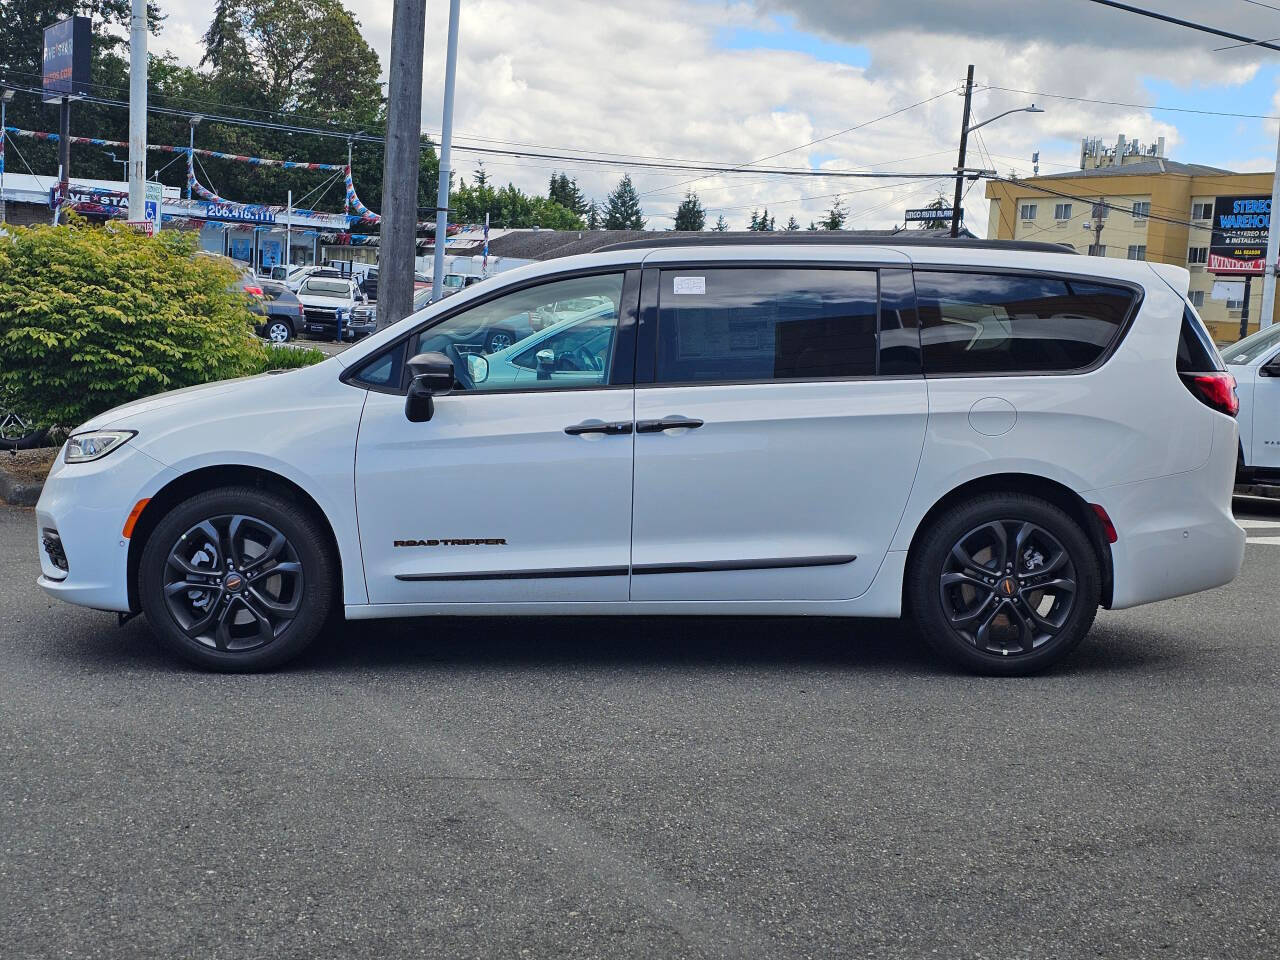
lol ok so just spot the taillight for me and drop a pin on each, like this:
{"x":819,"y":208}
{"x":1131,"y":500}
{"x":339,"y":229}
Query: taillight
{"x":253,"y":291}
{"x":1216,"y":390}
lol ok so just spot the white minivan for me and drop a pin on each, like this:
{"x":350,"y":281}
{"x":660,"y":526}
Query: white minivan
{"x":993,"y":438}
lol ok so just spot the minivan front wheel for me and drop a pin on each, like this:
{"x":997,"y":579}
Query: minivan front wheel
{"x":1005,"y":584}
{"x":236,"y":579}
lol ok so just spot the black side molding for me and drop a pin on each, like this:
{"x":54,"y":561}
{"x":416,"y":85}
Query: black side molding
{"x":548,"y":573}
{"x":768,"y":563}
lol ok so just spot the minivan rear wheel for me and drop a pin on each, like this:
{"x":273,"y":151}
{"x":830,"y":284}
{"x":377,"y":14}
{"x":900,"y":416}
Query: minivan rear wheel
{"x":1004,"y":584}
{"x":236,"y":579}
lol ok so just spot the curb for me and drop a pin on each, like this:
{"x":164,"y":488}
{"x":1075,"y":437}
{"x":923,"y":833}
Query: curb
{"x":1270,"y":491}
{"x":19,"y":493}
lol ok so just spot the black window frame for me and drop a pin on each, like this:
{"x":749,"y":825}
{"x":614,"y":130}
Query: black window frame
{"x":1122,"y":331}
{"x":902,"y":296}
{"x":622,"y":367}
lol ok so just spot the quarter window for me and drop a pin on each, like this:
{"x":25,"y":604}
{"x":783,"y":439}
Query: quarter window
{"x":992,"y":323}
{"x":766,"y":324}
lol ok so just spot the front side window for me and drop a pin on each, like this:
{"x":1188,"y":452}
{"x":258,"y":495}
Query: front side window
{"x":760,"y":324}
{"x":496,"y":345}
{"x":993,"y":323}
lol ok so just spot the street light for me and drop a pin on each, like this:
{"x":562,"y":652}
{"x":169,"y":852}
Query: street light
{"x":194,"y":121}
{"x":965,"y":130}
{"x":6,"y":97}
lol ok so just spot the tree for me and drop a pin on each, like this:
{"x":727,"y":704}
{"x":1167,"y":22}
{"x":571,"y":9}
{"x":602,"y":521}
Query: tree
{"x":593,"y":215}
{"x":721,"y":226}
{"x":566,"y":193}
{"x":793,"y":224}
{"x":481,"y":175}
{"x":762,"y":221}
{"x":622,"y":210}
{"x":690,"y":215}
{"x":509,"y":207}
{"x":941,"y":202}
{"x":835,"y":218}
{"x":812,"y":226}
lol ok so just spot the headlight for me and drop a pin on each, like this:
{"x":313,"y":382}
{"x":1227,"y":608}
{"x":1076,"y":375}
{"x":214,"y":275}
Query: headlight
{"x":96,"y":444}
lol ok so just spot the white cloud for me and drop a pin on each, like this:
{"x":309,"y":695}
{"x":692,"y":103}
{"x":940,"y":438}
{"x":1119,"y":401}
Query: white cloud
{"x":650,"y":78}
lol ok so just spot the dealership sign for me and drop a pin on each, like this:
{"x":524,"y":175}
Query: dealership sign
{"x":1239,"y":242}
{"x":66,"y":57}
{"x":239,"y":213}
{"x":931,"y":214}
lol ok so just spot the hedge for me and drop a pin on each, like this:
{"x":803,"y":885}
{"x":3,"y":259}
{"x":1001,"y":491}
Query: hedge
{"x":92,"y":317}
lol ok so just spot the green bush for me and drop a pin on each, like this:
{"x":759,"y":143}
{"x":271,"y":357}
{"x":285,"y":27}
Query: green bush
{"x":289,"y":358}
{"x":92,"y":317}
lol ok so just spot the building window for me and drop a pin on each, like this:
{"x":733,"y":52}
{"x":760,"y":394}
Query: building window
{"x":1201,"y":211}
{"x":1097,"y":249}
{"x":1235,"y":304}
{"x":1027,"y":211}
{"x":1062,"y":211}
{"x":1197,"y":298}
{"x":1142,"y":210}
{"x":1137,"y":251}
{"x":1197,"y":255}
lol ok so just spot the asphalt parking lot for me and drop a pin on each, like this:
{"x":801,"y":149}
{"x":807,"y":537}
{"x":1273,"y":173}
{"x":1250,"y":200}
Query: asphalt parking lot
{"x":643,"y":788}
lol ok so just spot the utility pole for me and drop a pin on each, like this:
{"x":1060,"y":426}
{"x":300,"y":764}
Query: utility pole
{"x":964,"y":143}
{"x":400,"y":159}
{"x":446,"y":137}
{"x":6,"y":95}
{"x":1273,"y":250}
{"x":193,"y":121}
{"x":138,"y":110}
{"x":288,"y":236}
{"x":1099,"y":211}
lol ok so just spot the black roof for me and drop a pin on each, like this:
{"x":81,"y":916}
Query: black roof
{"x":839,"y":238}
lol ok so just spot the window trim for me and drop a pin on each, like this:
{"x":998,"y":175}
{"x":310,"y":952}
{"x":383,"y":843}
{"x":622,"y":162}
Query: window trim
{"x":626,"y":337}
{"x":1125,"y":326}
{"x":648,"y":342}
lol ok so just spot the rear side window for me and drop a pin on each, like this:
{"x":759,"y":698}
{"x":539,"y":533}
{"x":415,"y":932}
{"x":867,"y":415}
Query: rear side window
{"x":739,"y":324}
{"x":1006,"y":323}
{"x":1196,"y":352}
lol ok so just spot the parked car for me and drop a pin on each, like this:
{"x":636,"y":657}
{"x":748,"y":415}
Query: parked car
{"x":322,"y":297}
{"x":18,"y":430}
{"x":1255,"y":363}
{"x":994,"y":438}
{"x":279,"y":309}
{"x":293,"y":274}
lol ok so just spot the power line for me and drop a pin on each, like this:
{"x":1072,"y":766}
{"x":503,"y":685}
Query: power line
{"x":1134,"y":106}
{"x":1189,"y":24}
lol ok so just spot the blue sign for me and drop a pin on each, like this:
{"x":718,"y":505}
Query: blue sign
{"x":239,"y":213}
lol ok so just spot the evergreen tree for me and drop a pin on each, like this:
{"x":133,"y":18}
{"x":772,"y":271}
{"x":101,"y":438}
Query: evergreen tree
{"x":593,"y":215}
{"x":690,"y":215}
{"x":812,"y":226}
{"x":482,"y":176}
{"x":565,"y":192}
{"x":836,"y":216}
{"x":622,"y":211}
{"x":755,"y":220}
{"x":721,"y":226}
{"x":793,"y":224}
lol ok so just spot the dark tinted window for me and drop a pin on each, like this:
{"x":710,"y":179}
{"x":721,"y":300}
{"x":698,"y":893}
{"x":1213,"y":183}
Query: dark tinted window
{"x":996,"y":323}
{"x":1196,"y":352}
{"x":765,"y":324}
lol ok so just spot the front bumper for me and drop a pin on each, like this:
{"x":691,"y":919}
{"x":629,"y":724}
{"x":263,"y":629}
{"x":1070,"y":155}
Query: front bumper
{"x":83,"y":508}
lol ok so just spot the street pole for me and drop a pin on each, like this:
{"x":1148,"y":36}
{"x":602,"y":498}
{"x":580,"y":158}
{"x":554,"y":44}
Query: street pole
{"x":1273,"y":250}
{"x":1244,"y":310}
{"x":401,"y":155}
{"x":288,"y":236}
{"x":138,"y":110}
{"x":5,"y":96}
{"x":1099,"y":209}
{"x":446,"y":135}
{"x":64,"y":144}
{"x":964,"y":142}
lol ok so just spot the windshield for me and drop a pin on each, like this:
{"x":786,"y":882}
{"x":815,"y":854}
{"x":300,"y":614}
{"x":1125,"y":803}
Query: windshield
{"x":328,"y":288}
{"x":1252,"y":347}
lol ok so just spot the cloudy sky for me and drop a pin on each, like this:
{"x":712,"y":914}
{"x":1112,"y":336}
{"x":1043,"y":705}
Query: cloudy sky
{"x":731,"y":82}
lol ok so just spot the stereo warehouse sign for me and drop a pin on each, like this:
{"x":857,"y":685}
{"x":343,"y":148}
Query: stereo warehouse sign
{"x":1239,"y":242}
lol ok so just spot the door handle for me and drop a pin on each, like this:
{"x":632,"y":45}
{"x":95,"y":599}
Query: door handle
{"x":614,"y":429}
{"x":667,"y":423}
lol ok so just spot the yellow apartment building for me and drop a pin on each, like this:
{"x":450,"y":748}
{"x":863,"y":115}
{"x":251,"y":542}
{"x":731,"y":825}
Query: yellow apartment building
{"x":1152,"y":208}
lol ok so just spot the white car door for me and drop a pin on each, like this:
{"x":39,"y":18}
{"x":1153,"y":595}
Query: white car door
{"x":1266,"y":412}
{"x":778,"y":439}
{"x":516,"y":489}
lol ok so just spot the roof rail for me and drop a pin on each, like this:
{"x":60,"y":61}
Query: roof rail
{"x":833,"y":238}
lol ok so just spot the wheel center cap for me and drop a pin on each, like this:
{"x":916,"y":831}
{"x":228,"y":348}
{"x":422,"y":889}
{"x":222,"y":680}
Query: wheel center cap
{"x":233,"y":582}
{"x":1008,"y":586}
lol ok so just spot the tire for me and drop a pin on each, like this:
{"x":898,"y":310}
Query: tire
{"x":279,"y":331}
{"x":218,"y":622}
{"x":16,"y":433}
{"x":499,"y":340}
{"x":989,"y":617}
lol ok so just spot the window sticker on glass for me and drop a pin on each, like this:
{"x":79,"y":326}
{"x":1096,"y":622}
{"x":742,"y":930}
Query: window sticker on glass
{"x":689,"y":285}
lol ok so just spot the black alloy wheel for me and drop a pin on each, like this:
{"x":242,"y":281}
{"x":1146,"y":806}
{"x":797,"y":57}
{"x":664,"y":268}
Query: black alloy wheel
{"x":237,"y":578}
{"x":233,"y":583}
{"x":1004,"y":583}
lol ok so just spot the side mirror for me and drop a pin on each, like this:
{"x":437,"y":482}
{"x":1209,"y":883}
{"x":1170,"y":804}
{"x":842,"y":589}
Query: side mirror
{"x":432,"y":377}
{"x":477,"y":368}
{"x":546,"y":360}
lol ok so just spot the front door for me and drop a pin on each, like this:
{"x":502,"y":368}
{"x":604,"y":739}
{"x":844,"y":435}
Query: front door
{"x":518,"y":488}
{"x":778,"y":441}
{"x":1266,"y":413}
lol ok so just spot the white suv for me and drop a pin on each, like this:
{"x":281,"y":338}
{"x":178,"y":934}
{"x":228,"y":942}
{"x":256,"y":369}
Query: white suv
{"x":1255,"y":363}
{"x":993,"y":438}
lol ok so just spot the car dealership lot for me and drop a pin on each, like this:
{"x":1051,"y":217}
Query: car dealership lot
{"x":642,"y":788}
